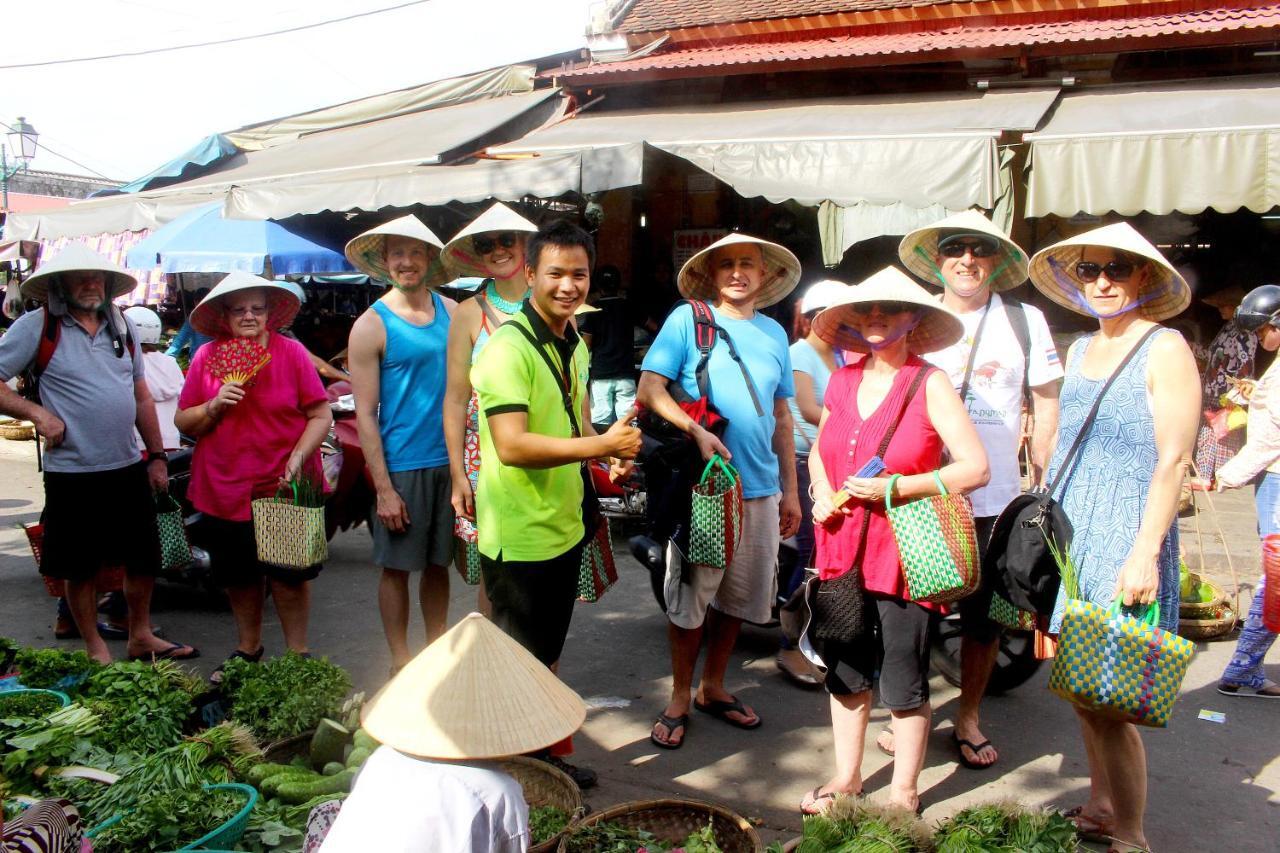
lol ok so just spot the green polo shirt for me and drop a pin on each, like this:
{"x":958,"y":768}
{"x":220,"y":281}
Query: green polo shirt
{"x":528,"y":514}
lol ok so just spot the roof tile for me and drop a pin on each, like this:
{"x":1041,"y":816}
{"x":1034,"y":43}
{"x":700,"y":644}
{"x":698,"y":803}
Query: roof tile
{"x":657,"y":15}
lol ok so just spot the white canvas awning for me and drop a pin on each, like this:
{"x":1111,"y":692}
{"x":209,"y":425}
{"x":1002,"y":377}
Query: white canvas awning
{"x":1159,"y":149}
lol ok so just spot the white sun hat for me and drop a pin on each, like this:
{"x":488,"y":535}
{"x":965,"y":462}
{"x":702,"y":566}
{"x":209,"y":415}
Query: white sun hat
{"x":75,"y":257}
{"x":460,"y":257}
{"x":821,"y":294}
{"x":368,"y":252}
{"x":918,"y":250}
{"x":937,"y":329}
{"x":781,"y":271}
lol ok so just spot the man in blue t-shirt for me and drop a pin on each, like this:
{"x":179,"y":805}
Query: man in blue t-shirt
{"x":736,"y":276}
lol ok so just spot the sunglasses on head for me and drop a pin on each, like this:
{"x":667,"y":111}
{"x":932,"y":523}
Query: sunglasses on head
{"x":862,"y":309}
{"x":955,"y":247}
{"x":1088,"y":271}
{"x":486,"y":243}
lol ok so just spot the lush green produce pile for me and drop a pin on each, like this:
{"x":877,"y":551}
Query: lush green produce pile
{"x":27,"y":705}
{"x":615,"y":838}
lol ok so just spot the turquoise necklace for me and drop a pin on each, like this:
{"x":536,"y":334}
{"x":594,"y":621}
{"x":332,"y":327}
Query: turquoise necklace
{"x":497,"y":301}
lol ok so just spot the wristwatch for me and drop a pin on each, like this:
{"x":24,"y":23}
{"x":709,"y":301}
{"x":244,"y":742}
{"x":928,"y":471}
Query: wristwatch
{"x":153,"y":455}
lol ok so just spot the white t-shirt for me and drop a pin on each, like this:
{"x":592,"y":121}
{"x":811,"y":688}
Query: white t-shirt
{"x":402,"y":804}
{"x":995,"y":391}
{"x":164,"y":381}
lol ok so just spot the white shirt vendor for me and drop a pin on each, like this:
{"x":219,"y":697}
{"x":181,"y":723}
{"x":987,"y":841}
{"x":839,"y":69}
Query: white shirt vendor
{"x":994,"y":399}
{"x":403,"y":804}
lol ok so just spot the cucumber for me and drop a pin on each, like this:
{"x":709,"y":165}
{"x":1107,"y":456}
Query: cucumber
{"x":364,"y":739}
{"x":258,"y":773}
{"x":297,"y":792}
{"x":333,"y":768}
{"x":358,"y":756}
{"x":271,"y":785}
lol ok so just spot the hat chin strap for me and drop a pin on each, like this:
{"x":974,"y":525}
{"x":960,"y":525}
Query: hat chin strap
{"x":937,"y":271}
{"x":1074,"y":293}
{"x":887,"y":342}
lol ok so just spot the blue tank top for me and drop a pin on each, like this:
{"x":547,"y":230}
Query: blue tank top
{"x":410,"y":416}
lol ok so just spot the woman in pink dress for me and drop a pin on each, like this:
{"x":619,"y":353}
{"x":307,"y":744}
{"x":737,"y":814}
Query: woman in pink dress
{"x":894,"y":320}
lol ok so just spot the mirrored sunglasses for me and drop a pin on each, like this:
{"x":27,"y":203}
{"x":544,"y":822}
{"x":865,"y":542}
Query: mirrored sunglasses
{"x":1088,"y":271}
{"x":486,"y":243}
{"x":862,"y":309}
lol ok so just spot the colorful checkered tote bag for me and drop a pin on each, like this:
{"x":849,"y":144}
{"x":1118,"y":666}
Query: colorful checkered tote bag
{"x":936,"y":544}
{"x":1118,"y":665}
{"x":715,"y":526}
{"x":598,"y":572}
{"x":175,"y":548}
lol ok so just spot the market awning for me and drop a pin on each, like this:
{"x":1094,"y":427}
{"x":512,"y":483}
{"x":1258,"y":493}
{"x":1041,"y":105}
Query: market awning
{"x":402,"y":186}
{"x":916,"y":154}
{"x":113,"y":215}
{"x":1159,"y":148}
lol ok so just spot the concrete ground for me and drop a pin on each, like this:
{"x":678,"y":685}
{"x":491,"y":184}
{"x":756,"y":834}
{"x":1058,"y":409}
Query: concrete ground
{"x":1212,"y":786}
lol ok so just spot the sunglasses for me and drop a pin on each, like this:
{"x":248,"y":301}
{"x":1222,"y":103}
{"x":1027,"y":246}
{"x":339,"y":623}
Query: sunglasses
{"x":862,"y":309}
{"x":1088,"y":271}
{"x":484,"y":243}
{"x":955,"y":248}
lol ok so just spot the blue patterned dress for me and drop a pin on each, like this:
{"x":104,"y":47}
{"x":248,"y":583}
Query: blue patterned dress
{"x":1107,"y":493}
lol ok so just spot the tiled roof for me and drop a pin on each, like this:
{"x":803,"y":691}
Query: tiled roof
{"x":952,"y":35}
{"x":657,"y":15}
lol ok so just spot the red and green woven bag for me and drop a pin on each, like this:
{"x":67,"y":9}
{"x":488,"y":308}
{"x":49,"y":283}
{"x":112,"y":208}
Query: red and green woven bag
{"x":936,"y":544}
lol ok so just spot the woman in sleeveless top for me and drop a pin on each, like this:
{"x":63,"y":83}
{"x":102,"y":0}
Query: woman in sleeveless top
{"x":491,"y":247}
{"x":1121,"y":493}
{"x":894,"y":320}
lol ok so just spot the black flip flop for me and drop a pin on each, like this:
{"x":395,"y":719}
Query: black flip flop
{"x":672,"y":723}
{"x":721,"y":709}
{"x":961,"y":743}
{"x":168,"y":654}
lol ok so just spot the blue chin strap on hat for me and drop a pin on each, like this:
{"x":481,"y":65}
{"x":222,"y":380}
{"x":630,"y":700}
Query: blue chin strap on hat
{"x":1072,"y":288}
{"x":887,"y":342}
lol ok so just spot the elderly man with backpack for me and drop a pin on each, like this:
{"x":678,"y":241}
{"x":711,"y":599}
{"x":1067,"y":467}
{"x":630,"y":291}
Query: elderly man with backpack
{"x":744,"y":374}
{"x":92,"y":393}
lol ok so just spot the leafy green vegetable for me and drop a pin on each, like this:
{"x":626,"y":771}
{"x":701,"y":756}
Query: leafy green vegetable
{"x":285,"y":696}
{"x":616,"y":838}
{"x":546,"y":822}
{"x":1006,"y":828}
{"x":50,"y":668}
{"x":168,"y":819}
{"x":143,"y":706}
{"x":855,"y":826}
{"x":27,"y":706}
{"x":276,"y":827}
{"x":50,"y":740}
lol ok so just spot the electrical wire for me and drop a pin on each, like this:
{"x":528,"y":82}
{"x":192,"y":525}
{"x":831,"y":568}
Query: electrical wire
{"x":41,"y":145}
{"x":233,"y":40}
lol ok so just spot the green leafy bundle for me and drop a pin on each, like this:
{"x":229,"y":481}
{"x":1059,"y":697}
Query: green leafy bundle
{"x":856,"y":826}
{"x":20,"y":705}
{"x":1006,"y":828}
{"x":48,"y":668}
{"x":166,"y":820}
{"x":285,"y":696}
{"x":50,"y":740}
{"x":143,"y":706}
{"x":615,"y":838}
{"x":546,"y":822}
{"x":277,"y":827}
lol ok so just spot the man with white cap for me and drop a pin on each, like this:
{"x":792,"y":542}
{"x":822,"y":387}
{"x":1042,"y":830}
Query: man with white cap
{"x":472,"y":697}
{"x":1006,"y":360}
{"x":396,"y":353}
{"x":749,"y":383}
{"x":99,"y":490}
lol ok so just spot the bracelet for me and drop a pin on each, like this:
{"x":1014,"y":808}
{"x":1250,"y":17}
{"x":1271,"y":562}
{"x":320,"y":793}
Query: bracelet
{"x":812,"y":496}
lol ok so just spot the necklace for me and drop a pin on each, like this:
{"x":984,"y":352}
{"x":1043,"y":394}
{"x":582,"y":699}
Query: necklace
{"x":495,"y":298}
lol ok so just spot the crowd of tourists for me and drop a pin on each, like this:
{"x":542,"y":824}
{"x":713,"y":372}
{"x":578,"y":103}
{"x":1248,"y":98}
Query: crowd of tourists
{"x":477,"y":421}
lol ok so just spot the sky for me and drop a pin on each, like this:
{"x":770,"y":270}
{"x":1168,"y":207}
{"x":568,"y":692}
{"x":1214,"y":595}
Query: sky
{"x":123,"y":117}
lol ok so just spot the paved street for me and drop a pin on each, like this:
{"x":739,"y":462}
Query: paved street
{"x":1213,"y":787}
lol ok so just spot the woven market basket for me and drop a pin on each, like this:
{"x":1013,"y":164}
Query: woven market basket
{"x":108,"y":579}
{"x":676,"y":820}
{"x":545,"y":785}
{"x":1218,"y":622}
{"x":17,"y":430}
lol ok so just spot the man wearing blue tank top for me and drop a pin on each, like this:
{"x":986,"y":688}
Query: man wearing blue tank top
{"x":397,"y":358}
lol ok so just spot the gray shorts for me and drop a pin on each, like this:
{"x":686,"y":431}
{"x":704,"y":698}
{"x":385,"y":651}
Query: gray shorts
{"x":428,"y":540}
{"x":746,"y":589}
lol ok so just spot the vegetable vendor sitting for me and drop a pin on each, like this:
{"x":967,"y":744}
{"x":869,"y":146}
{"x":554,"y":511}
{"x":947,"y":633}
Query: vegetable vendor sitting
{"x":472,"y":696}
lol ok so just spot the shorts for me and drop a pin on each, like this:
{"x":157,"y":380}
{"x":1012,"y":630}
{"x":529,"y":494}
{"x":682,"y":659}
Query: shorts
{"x":428,"y":540}
{"x":975,"y":609}
{"x":898,"y":641}
{"x":746,"y":589}
{"x":533,"y":601}
{"x":96,"y":518}
{"x":233,"y":555}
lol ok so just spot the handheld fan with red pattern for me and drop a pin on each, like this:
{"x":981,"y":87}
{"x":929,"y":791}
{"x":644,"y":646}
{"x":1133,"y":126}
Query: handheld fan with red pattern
{"x":237,"y":360}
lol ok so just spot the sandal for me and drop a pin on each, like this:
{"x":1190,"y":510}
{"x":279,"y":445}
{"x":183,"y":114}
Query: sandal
{"x":975,"y":748}
{"x":176,"y":651}
{"x":722,"y":708}
{"x":217,"y":675}
{"x":815,"y":796}
{"x":885,"y":730}
{"x":1268,"y":690}
{"x":1088,"y":828}
{"x":672,"y":723}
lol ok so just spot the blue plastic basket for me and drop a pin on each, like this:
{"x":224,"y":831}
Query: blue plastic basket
{"x":62,"y":697}
{"x":224,"y":836}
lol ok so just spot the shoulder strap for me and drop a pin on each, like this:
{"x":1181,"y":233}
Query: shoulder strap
{"x":1068,"y":461}
{"x":1022,"y":332}
{"x":48,"y":341}
{"x":563,"y":382}
{"x":489,"y":314}
{"x":705,"y":330}
{"x":973,"y":350}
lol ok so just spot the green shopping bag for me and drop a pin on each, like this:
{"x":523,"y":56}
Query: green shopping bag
{"x":715,"y":526}
{"x":175,"y":548}
{"x":469,"y":561}
{"x":1117,"y":665}
{"x":936,"y":544}
{"x":597,"y":572}
{"x":1003,"y":611}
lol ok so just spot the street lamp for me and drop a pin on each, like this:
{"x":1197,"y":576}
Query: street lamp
{"x":22,"y":146}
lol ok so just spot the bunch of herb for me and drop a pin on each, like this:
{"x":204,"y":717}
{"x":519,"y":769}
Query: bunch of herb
{"x":277,"y":827}
{"x":855,"y":826}
{"x":143,"y":706}
{"x":48,"y":741}
{"x":21,"y":705}
{"x":546,"y":822}
{"x":168,"y":819}
{"x":213,"y":755}
{"x":1066,"y":568}
{"x":285,"y":696}
{"x":53,"y":668}
{"x":616,"y":838}
{"x":1006,"y":828}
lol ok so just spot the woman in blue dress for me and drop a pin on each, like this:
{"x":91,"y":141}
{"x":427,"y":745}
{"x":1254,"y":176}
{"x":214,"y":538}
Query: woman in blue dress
{"x":1122,"y":494}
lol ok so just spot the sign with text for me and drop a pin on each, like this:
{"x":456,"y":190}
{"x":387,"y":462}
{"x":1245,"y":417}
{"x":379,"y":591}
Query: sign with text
{"x":687,"y":241}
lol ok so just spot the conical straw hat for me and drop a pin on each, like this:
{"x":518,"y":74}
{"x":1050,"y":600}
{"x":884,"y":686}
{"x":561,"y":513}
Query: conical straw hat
{"x":918,"y":250}
{"x":75,"y":257}
{"x":209,"y":318}
{"x":474,"y":693}
{"x":938,"y":327}
{"x":460,"y":257}
{"x":781,"y":271}
{"x":368,"y":252}
{"x":1166,"y":292}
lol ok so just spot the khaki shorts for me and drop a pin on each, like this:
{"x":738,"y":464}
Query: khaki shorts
{"x":746,"y":589}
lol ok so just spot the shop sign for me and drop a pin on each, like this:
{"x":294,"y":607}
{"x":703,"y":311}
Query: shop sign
{"x":689,"y":241}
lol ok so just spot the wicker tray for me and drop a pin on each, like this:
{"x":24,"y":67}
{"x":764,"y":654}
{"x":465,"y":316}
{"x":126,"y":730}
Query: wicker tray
{"x":1219,"y":624}
{"x":545,"y":785}
{"x":676,"y":820}
{"x":17,"y":430}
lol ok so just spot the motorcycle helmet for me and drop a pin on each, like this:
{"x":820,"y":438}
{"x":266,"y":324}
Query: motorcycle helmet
{"x":146,"y":322}
{"x":1260,"y":306}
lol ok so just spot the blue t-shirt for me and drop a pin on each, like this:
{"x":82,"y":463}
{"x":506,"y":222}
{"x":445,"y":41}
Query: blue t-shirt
{"x":805,"y":359}
{"x":412,"y":390}
{"x":762,"y":344}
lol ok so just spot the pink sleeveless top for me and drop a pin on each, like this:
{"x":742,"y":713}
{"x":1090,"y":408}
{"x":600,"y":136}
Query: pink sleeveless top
{"x":845,"y":444}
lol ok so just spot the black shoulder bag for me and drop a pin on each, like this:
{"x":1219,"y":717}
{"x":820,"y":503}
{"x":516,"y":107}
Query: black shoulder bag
{"x":1018,"y":556}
